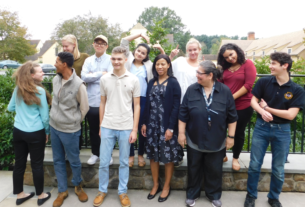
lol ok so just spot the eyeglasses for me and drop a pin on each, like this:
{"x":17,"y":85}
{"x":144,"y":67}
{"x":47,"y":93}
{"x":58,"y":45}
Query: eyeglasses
{"x":199,"y":73}
{"x":100,"y":44}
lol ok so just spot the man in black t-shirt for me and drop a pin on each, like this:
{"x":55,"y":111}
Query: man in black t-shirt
{"x":277,"y":100}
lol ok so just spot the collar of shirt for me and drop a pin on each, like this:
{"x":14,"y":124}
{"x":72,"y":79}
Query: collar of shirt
{"x":99,"y":59}
{"x":288,"y":84}
{"x":217,"y":86}
{"x":127,"y":73}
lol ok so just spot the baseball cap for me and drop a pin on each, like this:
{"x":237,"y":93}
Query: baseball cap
{"x":101,"y":37}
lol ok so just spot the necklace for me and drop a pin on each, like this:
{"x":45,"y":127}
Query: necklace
{"x":233,"y":69}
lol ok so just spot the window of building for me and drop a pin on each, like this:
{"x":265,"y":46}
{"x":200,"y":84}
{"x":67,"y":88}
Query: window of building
{"x":274,"y":50}
{"x":56,"y":51}
{"x":289,"y":50}
{"x":253,"y":58}
{"x":263,"y":53}
{"x":253,"y":52}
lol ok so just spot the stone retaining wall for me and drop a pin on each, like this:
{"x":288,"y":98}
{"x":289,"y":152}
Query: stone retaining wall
{"x":142,"y":179}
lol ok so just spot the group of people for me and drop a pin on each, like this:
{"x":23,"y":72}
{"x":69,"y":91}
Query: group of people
{"x":164,"y":104}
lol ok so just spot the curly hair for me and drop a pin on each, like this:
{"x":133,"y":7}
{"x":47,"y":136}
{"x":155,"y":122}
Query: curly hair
{"x":27,"y":86}
{"x":282,"y":58}
{"x":230,"y":46}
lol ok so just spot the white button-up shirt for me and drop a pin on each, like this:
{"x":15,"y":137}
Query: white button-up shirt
{"x":92,"y":72}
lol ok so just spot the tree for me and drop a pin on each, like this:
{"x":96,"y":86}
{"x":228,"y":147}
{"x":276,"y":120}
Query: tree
{"x":86,"y":28}
{"x":170,"y":21}
{"x":156,"y":36}
{"x":13,"y":38}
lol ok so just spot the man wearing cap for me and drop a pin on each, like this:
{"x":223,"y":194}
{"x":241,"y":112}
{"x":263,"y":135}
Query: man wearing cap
{"x":94,"y":68}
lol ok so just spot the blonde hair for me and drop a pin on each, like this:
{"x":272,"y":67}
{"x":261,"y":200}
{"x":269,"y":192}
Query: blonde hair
{"x":72,"y":39}
{"x":191,"y":41}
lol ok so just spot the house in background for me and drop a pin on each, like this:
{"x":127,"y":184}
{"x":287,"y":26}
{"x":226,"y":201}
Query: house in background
{"x":139,"y":28}
{"x":47,"y":53}
{"x":37,"y":44}
{"x":210,"y":57}
{"x":291,"y":43}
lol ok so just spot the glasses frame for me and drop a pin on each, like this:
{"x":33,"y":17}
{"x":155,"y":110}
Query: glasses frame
{"x":199,"y":73}
{"x":104,"y":44}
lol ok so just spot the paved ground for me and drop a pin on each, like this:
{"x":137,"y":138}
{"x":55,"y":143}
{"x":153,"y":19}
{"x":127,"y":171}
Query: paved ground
{"x":138,"y":197}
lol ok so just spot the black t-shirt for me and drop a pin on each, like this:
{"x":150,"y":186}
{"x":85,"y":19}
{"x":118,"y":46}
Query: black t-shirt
{"x":288,"y":95}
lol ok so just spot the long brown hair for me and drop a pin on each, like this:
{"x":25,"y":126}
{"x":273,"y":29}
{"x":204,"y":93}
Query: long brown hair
{"x":27,"y":86}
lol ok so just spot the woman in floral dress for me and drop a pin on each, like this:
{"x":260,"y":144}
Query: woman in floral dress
{"x":161,"y":124}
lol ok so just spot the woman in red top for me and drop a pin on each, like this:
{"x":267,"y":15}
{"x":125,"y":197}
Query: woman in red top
{"x":239,"y":75}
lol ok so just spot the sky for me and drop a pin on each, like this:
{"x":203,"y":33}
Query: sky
{"x":266,"y":18}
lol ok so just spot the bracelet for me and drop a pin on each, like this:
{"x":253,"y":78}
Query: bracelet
{"x":265,"y":107}
{"x":232,"y":137}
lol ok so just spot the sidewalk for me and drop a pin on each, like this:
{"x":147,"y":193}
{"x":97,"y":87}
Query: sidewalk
{"x":138,"y":197}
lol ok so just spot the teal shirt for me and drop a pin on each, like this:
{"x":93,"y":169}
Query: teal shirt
{"x":30,"y":118}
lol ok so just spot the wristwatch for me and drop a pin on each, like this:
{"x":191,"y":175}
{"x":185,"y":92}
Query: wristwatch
{"x":232,"y":137}
{"x":171,"y":130}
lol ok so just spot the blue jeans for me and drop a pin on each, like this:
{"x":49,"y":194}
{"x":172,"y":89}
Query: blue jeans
{"x":279,"y":137}
{"x":108,"y":140}
{"x":66,"y":144}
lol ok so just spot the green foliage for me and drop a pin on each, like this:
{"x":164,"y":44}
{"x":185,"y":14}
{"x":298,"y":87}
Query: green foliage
{"x":158,"y":35}
{"x":262,"y":65}
{"x":7,"y":86}
{"x":86,"y":28}
{"x":170,"y":21}
{"x":14,"y":44}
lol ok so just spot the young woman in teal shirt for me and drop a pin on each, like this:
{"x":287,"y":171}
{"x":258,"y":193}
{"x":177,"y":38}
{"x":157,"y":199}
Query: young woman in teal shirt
{"x":31,"y":129}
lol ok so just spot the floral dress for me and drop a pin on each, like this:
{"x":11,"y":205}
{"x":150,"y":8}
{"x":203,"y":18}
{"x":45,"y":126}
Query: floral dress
{"x":156,"y":147}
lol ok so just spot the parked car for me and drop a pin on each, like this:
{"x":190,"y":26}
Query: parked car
{"x":47,"y":68}
{"x":9,"y":64}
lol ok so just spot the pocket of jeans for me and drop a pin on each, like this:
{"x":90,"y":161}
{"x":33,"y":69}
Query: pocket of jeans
{"x":285,"y":129}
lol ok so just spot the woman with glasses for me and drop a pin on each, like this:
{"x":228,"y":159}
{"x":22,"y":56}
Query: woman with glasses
{"x":239,"y":75}
{"x":139,"y":64}
{"x":207,"y":109}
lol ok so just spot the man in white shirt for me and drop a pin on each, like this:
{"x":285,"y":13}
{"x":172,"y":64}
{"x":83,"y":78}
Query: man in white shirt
{"x":94,"y":68}
{"x":119,"y":89}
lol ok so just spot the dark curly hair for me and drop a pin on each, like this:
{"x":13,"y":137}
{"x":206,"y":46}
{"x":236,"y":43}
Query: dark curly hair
{"x":170,"y":69}
{"x":230,"y":46}
{"x":147,"y":48}
{"x":282,"y":58}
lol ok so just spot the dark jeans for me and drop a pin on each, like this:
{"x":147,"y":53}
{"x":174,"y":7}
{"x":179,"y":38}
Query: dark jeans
{"x":244,"y":116}
{"x":25,"y":143}
{"x":208,"y":164}
{"x":278,"y":135}
{"x":141,"y":139}
{"x":93,"y":117}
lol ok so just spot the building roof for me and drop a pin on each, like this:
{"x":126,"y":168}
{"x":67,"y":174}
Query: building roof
{"x":243,"y":44}
{"x":46,"y":45}
{"x":280,"y":43}
{"x":138,"y":26}
{"x":34,"y":42}
{"x":208,"y":57}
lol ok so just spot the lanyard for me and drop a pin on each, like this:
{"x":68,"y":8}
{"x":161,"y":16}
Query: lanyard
{"x":208,"y":104}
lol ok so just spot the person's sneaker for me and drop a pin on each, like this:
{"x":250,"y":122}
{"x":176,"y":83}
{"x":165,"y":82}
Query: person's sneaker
{"x":216,"y":203}
{"x":274,"y":202}
{"x":249,"y":202}
{"x":190,"y":202}
{"x":178,"y":164}
{"x":99,"y":199}
{"x":125,"y":202}
{"x":92,"y":160}
{"x":111,"y":161}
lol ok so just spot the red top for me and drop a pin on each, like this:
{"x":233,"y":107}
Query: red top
{"x":244,"y":76}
